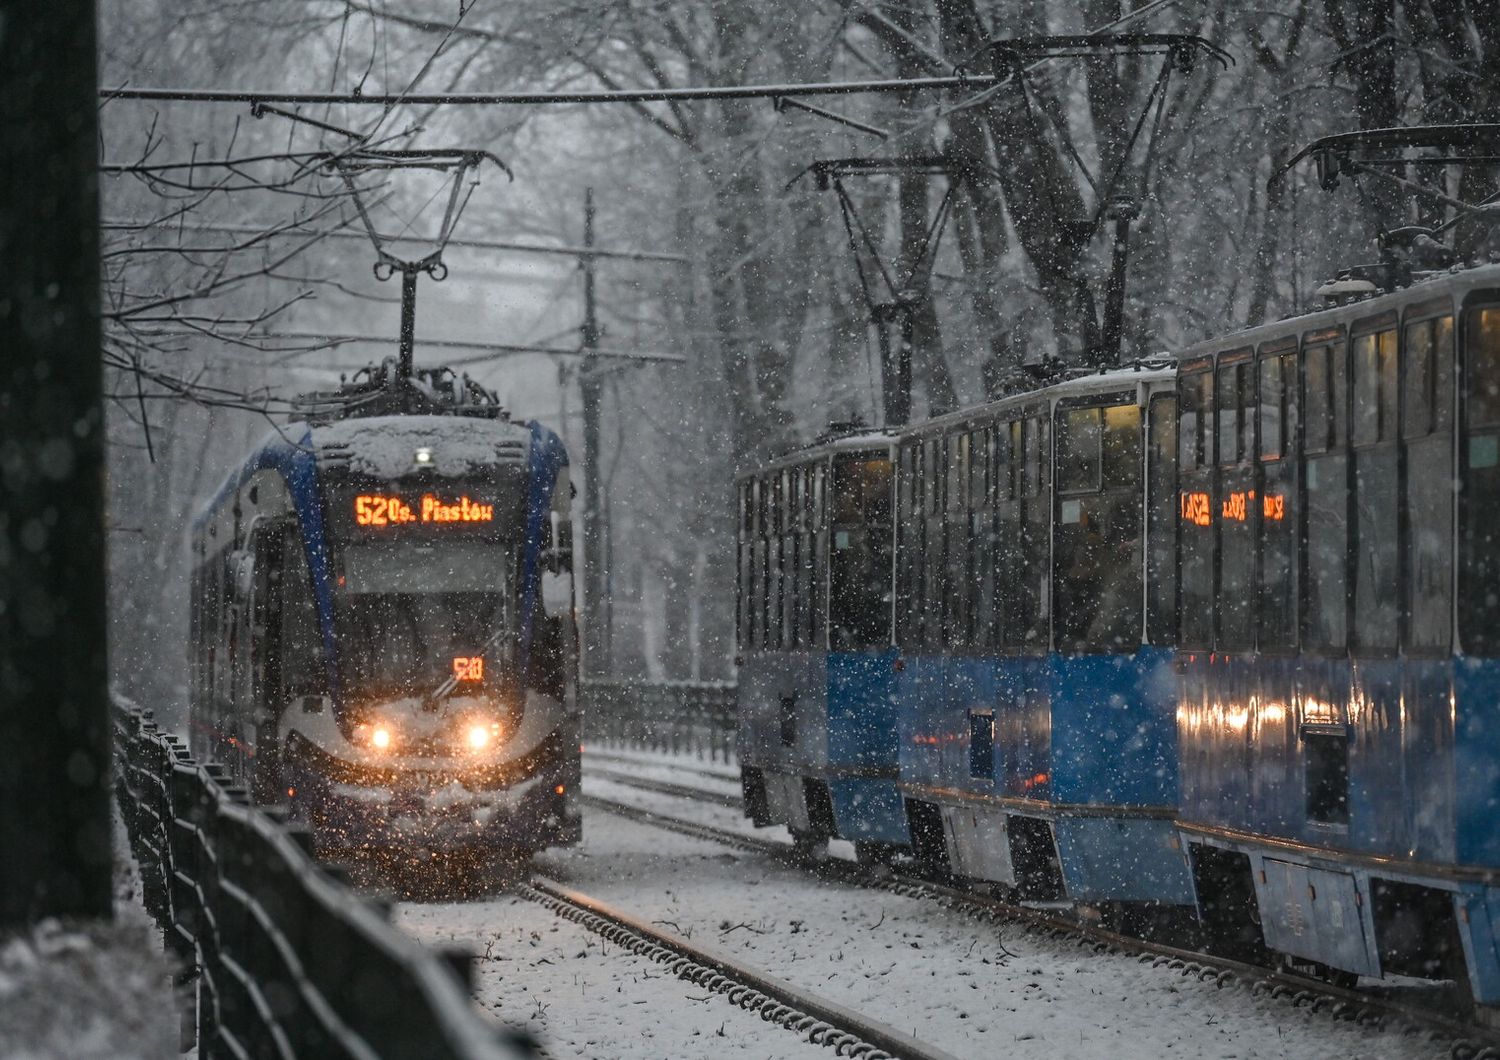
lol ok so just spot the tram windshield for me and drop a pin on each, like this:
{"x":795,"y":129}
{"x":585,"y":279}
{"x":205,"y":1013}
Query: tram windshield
{"x":409,"y":615}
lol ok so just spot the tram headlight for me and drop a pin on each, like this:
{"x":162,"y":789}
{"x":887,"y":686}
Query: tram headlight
{"x":380,"y":739}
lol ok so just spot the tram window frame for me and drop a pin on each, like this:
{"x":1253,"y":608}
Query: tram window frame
{"x":1433,"y":398}
{"x":1161,"y":518}
{"x":1325,"y":623}
{"x":1097,"y":532}
{"x":1429,"y":469}
{"x":979,"y":453}
{"x":1197,"y":536}
{"x":1276,"y":623}
{"x":1373,"y":387}
{"x":1480,"y":413}
{"x":1228,"y":410}
{"x":1374,"y":574}
{"x":1195,"y":399}
{"x":1003,"y":478}
{"x":1232,"y":498}
{"x":1325,"y":432}
{"x":908,"y":548}
{"x":1079,"y":435}
{"x":957,"y":546}
{"x":1479,"y":462}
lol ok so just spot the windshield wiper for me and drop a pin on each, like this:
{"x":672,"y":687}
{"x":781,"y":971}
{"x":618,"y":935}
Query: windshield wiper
{"x":443,"y":691}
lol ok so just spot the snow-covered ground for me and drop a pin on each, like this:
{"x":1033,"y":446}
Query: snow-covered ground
{"x":92,"y":989}
{"x":975,"y":990}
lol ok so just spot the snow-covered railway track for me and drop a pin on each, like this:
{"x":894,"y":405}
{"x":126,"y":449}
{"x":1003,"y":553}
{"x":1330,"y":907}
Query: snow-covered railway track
{"x":592,"y":754}
{"x":1467,"y":1041}
{"x":815,"y":1018}
{"x":666,"y":787}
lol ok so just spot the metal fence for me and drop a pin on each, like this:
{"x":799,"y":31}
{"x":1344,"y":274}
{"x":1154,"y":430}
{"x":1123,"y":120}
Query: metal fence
{"x":289,"y":962}
{"x":682,"y":717}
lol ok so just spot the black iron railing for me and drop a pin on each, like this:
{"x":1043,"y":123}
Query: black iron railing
{"x":681,"y":717}
{"x":288,"y":960}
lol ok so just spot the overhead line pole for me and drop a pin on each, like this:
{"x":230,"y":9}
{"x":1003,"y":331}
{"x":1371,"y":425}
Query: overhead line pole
{"x":596,"y":606}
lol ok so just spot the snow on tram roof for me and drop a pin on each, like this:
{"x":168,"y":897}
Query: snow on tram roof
{"x":384,"y":446}
{"x":1096,"y":382}
{"x":865,"y":438}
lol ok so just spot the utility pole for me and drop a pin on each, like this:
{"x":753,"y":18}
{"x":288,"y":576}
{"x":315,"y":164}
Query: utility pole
{"x":54,"y":706}
{"x":596,"y":604}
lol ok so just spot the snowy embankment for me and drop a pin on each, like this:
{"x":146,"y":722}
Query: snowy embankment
{"x":975,"y":990}
{"x":85,"y":990}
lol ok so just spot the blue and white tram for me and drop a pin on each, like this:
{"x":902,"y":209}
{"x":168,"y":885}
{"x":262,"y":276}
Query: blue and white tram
{"x":817,"y":726}
{"x":1038,"y":745}
{"x":382,"y":625}
{"x":1339,"y":643}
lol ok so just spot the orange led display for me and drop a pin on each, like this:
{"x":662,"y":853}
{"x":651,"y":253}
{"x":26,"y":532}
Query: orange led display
{"x":1273,"y":506}
{"x":1195,"y":508}
{"x":1234,"y":507}
{"x":468,"y":667}
{"x":375,"y":510}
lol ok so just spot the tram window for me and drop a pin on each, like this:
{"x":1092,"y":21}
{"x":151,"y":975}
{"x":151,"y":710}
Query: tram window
{"x":1428,"y":502}
{"x":1272,"y":415}
{"x":1007,"y":443}
{"x":1161,"y":526}
{"x":1480,"y":500}
{"x":1326,"y":760}
{"x":1483,"y":346}
{"x":979,"y":447}
{"x":958,"y":470}
{"x":1227,"y":410}
{"x":1121,"y":445}
{"x":1442,"y":375}
{"x":1096,"y":543}
{"x":302,"y":670}
{"x":1317,"y":416}
{"x":1024,"y":546}
{"x":1031,"y":456}
{"x":1417,"y":369}
{"x":1374,"y":388}
{"x":1194,"y":416}
{"x":1079,"y":450}
{"x":860,"y":570}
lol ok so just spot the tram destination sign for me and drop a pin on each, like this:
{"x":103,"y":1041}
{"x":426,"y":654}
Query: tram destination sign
{"x":438,"y":509}
{"x":376,"y":509}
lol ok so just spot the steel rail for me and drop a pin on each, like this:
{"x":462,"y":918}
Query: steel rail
{"x":600,"y":755}
{"x":1469,"y":1041}
{"x":821,"y":1021}
{"x":622,"y":95}
{"x":666,"y":787}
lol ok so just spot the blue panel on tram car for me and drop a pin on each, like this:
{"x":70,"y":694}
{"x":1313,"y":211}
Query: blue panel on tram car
{"x":1023,"y":743}
{"x":928,"y":726}
{"x":1477,"y":760}
{"x":1114,"y":740}
{"x":1427,"y":741}
{"x":861,"y":709}
{"x":863,"y":746}
{"x":1377,"y":790}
